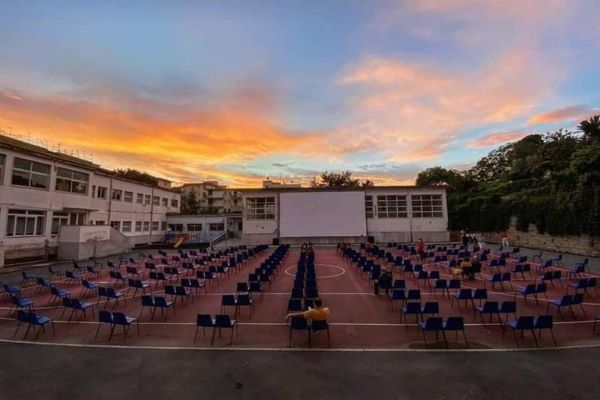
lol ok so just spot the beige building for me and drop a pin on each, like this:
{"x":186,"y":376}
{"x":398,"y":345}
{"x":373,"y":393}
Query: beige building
{"x":214,"y":198}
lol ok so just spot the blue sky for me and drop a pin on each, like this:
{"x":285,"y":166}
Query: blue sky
{"x":241,"y":90}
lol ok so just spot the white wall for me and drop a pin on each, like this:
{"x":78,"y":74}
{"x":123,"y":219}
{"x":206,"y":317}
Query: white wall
{"x":17,"y":197}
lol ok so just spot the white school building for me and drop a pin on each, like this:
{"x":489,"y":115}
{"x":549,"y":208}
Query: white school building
{"x":52,"y":204}
{"x":379,"y":213}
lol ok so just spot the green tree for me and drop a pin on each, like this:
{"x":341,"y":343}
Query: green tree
{"x":338,"y":180}
{"x":138,"y":176}
{"x":190,"y":204}
{"x":591,"y":128}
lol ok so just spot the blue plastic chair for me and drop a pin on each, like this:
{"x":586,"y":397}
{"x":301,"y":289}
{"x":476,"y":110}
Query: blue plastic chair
{"x":224,"y":322}
{"x":413,"y":308}
{"x":163,"y":304}
{"x":435,"y":324}
{"x":564,"y":301}
{"x":228,"y":300}
{"x":58,"y":294}
{"x":118,"y":318}
{"x":20,"y":304}
{"x":299,"y":323}
{"x":396,"y":295}
{"x":463,"y":294}
{"x":522,"y":324}
{"x":31,"y":319}
{"x":203,"y":321}
{"x":490,"y":308}
{"x":104,"y":317}
{"x":244,"y":300}
{"x":455,"y":324}
{"x":544,"y":322}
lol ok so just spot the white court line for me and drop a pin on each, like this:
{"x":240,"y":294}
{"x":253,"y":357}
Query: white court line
{"x":266,"y":324}
{"x":301,"y":349}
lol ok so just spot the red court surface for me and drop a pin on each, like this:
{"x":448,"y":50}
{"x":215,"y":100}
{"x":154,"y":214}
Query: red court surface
{"x":359,"y":319}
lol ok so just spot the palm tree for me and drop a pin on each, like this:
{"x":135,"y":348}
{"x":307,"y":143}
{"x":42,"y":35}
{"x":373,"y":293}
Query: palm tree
{"x":591,"y":128}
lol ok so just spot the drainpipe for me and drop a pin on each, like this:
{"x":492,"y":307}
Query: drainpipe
{"x":151,"y":216}
{"x":109,"y":194}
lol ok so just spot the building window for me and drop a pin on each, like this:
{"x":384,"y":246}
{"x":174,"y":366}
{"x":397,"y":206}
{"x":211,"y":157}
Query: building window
{"x":156,"y":201}
{"x":147,"y":198}
{"x":117,"y":194}
{"x":165,"y":202}
{"x":100,"y":222}
{"x":146,"y":226}
{"x":2,"y":163}
{"x":116,"y":225}
{"x":139,"y":198}
{"x":216,"y":227}
{"x":174,"y":203}
{"x":30,"y":173}
{"x":25,"y":223}
{"x":369,"y":206}
{"x":77,"y":219}
{"x":126,"y":226}
{"x":138,"y":226}
{"x":194,"y":227}
{"x":128,"y":197}
{"x":163,"y":226}
{"x":176,"y":227}
{"x":102,"y":192}
{"x":391,"y":206}
{"x":59,"y":219}
{"x":260,"y":208}
{"x":93,"y":191}
{"x":427,"y":206}
{"x":71,"y":181}
{"x":155,"y":226}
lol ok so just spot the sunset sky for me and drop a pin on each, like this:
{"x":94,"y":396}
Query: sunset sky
{"x":240,"y":90}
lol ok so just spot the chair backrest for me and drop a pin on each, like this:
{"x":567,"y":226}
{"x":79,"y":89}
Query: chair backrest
{"x":490,"y":307}
{"x":508,"y":307}
{"x":244,"y":300}
{"x":169,"y":290}
{"x":223,"y":321}
{"x":454,"y":284}
{"x":431,"y":307}
{"x":242,"y":287}
{"x":434,"y":324}
{"x":413,"y":308}
{"x":480,"y":294}
{"x":160,"y":301}
{"x":434,"y":275}
{"x":399,"y":284}
{"x":525,"y":322}
{"x":110,"y":292}
{"x":147,"y":301}
{"x":105,"y":316}
{"x":119,"y":318}
{"x":465,"y":294}
{"x":299,"y":323}
{"x":414,"y":294}
{"x":455,"y":324}
{"x":204,"y":320}
{"x":102,"y":291}
{"x":541,"y":288}
{"x":544,"y":322}
{"x":180,"y":291}
{"x":577,"y":299}
{"x":228,"y":300}
{"x":506,"y":276}
{"x":66,"y":301}
{"x":441,"y":284}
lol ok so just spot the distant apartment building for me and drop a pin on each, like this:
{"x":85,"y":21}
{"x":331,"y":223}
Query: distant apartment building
{"x":214,"y":198}
{"x":52,"y":202}
{"x":269,"y":184}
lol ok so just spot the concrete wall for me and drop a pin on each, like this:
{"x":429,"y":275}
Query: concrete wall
{"x":85,"y":242}
{"x":583,"y":245}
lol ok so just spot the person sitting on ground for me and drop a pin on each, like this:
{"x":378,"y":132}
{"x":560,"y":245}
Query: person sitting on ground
{"x":474,"y":269}
{"x":460,"y":270}
{"x":384,"y":281}
{"x":319,"y":313}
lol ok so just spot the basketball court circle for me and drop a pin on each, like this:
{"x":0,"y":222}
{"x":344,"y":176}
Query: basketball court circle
{"x":341,"y":270}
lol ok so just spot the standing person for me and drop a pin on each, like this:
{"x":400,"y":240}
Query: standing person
{"x":465,"y":239}
{"x":480,"y":242}
{"x":504,"y":236}
{"x":421,"y":247}
{"x":384,"y":282}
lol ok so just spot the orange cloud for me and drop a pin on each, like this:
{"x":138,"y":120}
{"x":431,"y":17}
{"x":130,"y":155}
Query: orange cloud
{"x":179,"y":143}
{"x":573,"y":113}
{"x":417,"y":111}
{"x":494,"y":139}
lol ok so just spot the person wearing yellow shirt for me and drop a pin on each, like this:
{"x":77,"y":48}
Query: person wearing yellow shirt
{"x":319,"y":313}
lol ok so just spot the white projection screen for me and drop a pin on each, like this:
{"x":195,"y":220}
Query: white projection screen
{"x":320,"y":214}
